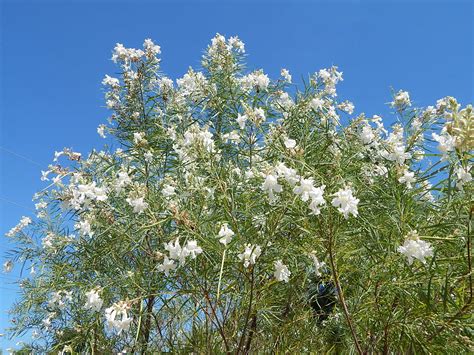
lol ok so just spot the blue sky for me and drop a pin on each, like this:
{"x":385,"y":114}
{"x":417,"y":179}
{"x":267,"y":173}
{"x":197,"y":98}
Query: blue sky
{"x":54,"y":55}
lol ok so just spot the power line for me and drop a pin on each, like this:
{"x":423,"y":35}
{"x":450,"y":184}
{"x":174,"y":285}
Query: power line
{"x":21,"y":156}
{"x":16,"y":203}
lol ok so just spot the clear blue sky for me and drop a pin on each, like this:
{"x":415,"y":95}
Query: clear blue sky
{"x":55,"y":54}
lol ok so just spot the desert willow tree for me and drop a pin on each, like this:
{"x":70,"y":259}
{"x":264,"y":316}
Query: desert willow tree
{"x":241,"y":215}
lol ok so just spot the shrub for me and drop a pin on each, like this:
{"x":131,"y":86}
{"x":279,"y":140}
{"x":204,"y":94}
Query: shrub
{"x":241,"y":214}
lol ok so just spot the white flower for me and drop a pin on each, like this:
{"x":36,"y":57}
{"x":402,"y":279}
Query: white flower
{"x":84,"y":228}
{"x":367,"y":134}
{"x":407,"y":178}
{"x":317,"y":199}
{"x":285,"y":74}
{"x":24,"y":222}
{"x":261,"y":81}
{"x":281,"y":271}
{"x":139,"y":138}
{"x":175,"y":251}
{"x":167,"y":266}
{"x":346,"y":106}
{"x":151,"y":48}
{"x":283,"y":99}
{"x":463,"y":176}
{"x":193,"y":249}
{"x":304,"y":189}
{"x":44,"y":175}
{"x":59,"y":299}
{"x":345,"y":202}
{"x":289,"y":143}
{"x":317,"y":103}
{"x":148,"y":156}
{"x":402,"y":98}
{"x":7,"y":266}
{"x":117,"y":316}
{"x":232,"y":136}
{"x":318,"y":265}
{"x":241,"y":119}
{"x":112,"y":82}
{"x":85,"y":193}
{"x":250,"y":254}
{"x":257,"y":80}
{"x":416,"y":123}
{"x":237,"y":44}
{"x":168,"y":191}
{"x":414,"y":248}
{"x":123,"y":179}
{"x":138,"y":204}
{"x":445,"y":142}
{"x":225,"y":234}
{"x":203,"y":138}
{"x":289,"y":174}
{"x":271,"y":185}
{"x":258,"y":115}
{"x":93,"y":302}
{"x":101,"y":130}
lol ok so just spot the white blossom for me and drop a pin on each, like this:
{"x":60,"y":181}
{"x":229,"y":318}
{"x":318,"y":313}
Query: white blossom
{"x":407,"y":178}
{"x":193,"y":249}
{"x":317,"y":103}
{"x":7,"y":266}
{"x":446,"y":142}
{"x":401,"y":99}
{"x":167,"y":266}
{"x":289,"y":174}
{"x":317,"y":199}
{"x":367,"y":134}
{"x":289,"y":143}
{"x":241,"y":119}
{"x":250,"y":254}
{"x":415,"y":248}
{"x":168,"y":191}
{"x":117,"y":316}
{"x":271,"y":185}
{"x":84,"y":228}
{"x":281,"y":271}
{"x":93,"y":302}
{"x":463,"y":176}
{"x":285,"y":74}
{"x":138,"y":204}
{"x":101,"y":130}
{"x":123,"y":179}
{"x":225,"y":234}
{"x":112,"y":82}
{"x":345,"y":202}
{"x":304,"y":189}
{"x":318,"y":265}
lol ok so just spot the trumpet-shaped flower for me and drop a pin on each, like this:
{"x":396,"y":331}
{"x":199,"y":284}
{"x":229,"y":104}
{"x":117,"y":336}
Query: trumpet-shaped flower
{"x":271,"y":185}
{"x":241,"y":119}
{"x":117,"y":317}
{"x":250,"y":254}
{"x":407,"y":178}
{"x":281,"y":271}
{"x":415,"y":248}
{"x":225,"y":234}
{"x":167,"y":266}
{"x":138,"y":204}
{"x":345,"y":202}
{"x":93,"y":302}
